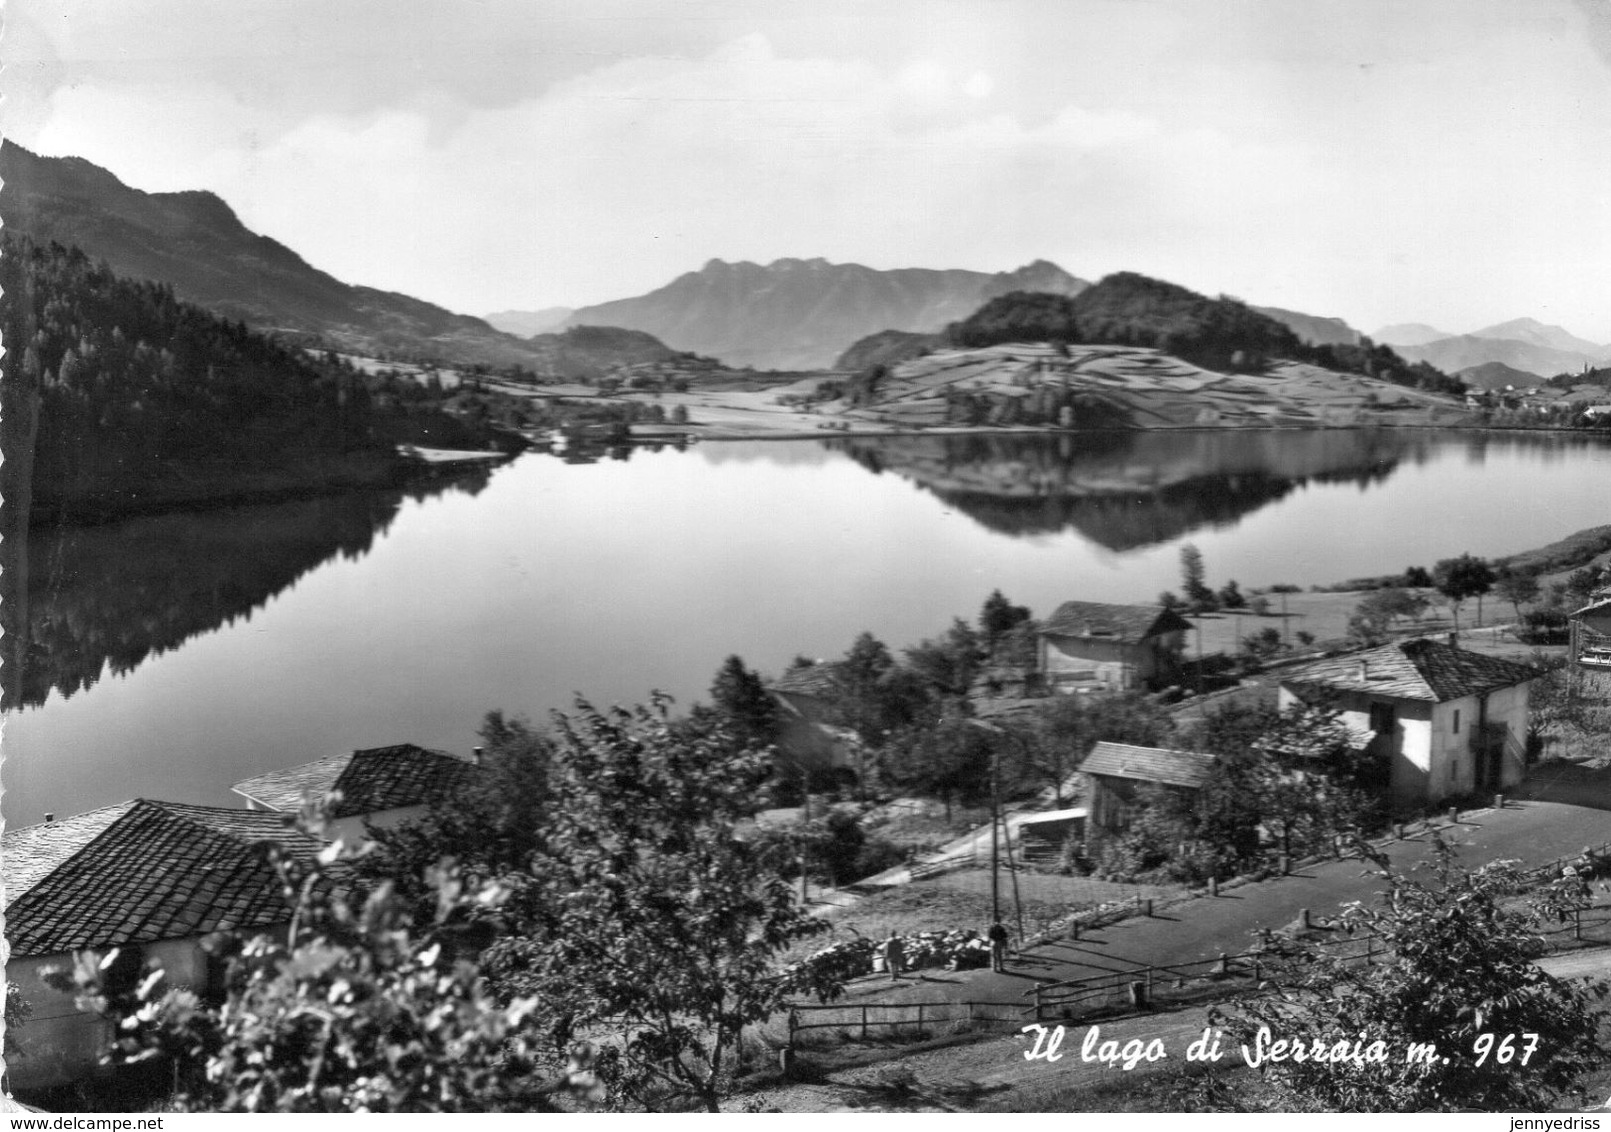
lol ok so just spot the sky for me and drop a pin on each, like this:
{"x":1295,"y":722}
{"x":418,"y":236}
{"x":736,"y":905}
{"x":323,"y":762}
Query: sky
{"x":1439,"y":161}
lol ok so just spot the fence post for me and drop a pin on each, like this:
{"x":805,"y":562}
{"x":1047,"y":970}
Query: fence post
{"x":1577,"y":923}
{"x":1454,"y":815}
{"x":1149,"y":982}
{"x":1147,"y":907}
{"x":920,"y":1019}
{"x":1213,"y":886}
{"x":1039,"y":1013}
{"x":1224,"y":967}
{"x":864,"y":1021}
{"x":1303,"y":917}
{"x":1499,"y":801}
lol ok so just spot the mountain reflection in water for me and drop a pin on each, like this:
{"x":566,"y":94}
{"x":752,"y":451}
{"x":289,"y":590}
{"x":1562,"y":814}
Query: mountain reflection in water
{"x":105,"y":598}
{"x":1130,"y":490}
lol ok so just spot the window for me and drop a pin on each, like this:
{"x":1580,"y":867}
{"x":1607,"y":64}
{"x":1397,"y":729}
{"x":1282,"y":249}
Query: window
{"x":1383,"y":720}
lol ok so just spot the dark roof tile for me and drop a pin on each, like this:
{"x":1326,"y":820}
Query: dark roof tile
{"x":1127,"y":624}
{"x":1413,"y":670}
{"x":1148,"y":764}
{"x":155,"y":871}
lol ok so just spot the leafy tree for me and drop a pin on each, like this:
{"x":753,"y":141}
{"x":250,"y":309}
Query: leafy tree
{"x":1373,"y":617}
{"x":649,"y":918}
{"x":998,"y":615}
{"x":950,"y":759}
{"x":1230,"y":596}
{"x":747,"y":709}
{"x":1460,"y":967}
{"x":1417,"y":577}
{"x":1192,"y":578}
{"x":354,"y":1012}
{"x":1517,"y":588}
{"x":1063,"y":729}
{"x":1263,"y":645}
{"x":1581,"y":584}
{"x":951,"y":662}
{"x":1168,"y":600}
{"x":1460,"y":578}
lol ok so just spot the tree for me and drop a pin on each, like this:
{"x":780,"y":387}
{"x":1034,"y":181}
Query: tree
{"x":1460,"y":578}
{"x":1230,"y":596}
{"x":354,"y":1012}
{"x":744,"y":705}
{"x":1376,"y":612}
{"x":650,"y":920}
{"x":1192,"y":578}
{"x":950,"y":759}
{"x":1263,"y":645}
{"x":1063,"y":730}
{"x":1516,"y":588}
{"x":951,"y":662}
{"x":1460,"y":977}
{"x":998,"y":615}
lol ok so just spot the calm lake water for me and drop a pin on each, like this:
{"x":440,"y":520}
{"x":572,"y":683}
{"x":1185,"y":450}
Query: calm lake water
{"x":169,"y":657}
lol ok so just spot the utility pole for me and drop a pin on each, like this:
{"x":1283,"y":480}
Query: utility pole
{"x":995,"y":823}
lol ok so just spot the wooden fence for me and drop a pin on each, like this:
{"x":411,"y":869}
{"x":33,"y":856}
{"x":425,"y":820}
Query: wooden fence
{"x":913,"y":1020}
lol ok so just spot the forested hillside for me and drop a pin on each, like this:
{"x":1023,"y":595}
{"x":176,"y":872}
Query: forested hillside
{"x":1221,"y":334}
{"x":128,"y":398}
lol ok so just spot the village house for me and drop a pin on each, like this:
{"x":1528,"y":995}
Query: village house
{"x":1088,"y":644}
{"x":151,"y":879}
{"x":1447,"y":721}
{"x":806,"y":740}
{"x":1591,"y":633}
{"x":1116,"y":773}
{"x":379,"y":786}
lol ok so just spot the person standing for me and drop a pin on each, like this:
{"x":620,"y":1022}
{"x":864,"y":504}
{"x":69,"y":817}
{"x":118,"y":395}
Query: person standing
{"x":894,"y":955}
{"x":998,"y":946}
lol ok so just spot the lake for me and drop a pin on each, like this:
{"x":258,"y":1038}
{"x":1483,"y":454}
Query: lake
{"x":171,"y":656}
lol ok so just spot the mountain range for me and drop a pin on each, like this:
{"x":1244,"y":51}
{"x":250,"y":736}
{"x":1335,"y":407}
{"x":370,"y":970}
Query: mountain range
{"x":800,"y":314}
{"x":195,"y":242}
{"x":1526,"y":346}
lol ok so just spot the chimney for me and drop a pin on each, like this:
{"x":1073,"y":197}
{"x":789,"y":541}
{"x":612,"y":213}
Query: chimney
{"x":49,"y":817}
{"x":478,"y":753}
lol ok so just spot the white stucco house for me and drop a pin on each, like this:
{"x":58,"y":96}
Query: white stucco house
{"x":379,"y":786}
{"x":151,"y":879}
{"x":1449,"y":721}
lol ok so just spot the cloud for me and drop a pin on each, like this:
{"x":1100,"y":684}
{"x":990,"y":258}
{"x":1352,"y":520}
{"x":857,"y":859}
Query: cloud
{"x":1374,"y":170}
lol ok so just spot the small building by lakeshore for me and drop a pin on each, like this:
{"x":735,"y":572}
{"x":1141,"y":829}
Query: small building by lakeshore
{"x":1089,"y":644}
{"x":806,"y":695}
{"x":378,"y":786}
{"x":1591,"y":634}
{"x":1446,"y":720}
{"x":151,"y":879}
{"x":1116,"y":773}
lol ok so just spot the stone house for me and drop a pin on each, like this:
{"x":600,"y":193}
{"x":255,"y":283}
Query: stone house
{"x":1446,"y":720}
{"x":1591,"y":633}
{"x":379,"y":786}
{"x":151,"y":879}
{"x":1116,"y":773}
{"x":1088,"y":644}
{"x":806,"y":696}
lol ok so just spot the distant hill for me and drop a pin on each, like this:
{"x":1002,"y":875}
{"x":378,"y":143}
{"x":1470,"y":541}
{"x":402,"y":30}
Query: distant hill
{"x":797,"y":314}
{"x":1314,"y":329}
{"x":1468,"y":351}
{"x":1409,"y":334}
{"x":524,"y":324}
{"x":1497,"y":375}
{"x":195,"y":242}
{"x":1536,"y":333}
{"x":887,"y":348}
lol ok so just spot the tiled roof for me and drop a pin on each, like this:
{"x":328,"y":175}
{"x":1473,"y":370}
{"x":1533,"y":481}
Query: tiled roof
{"x":1148,"y":764}
{"x":1413,"y":670}
{"x":155,"y":871}
{"x":30,"y":853}
{"x":1127,"y":624}
{"x":378,"y":778}
{"x":820,"y":679}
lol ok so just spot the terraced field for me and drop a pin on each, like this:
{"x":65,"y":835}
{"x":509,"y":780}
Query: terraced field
{"x":1155,"y":390}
